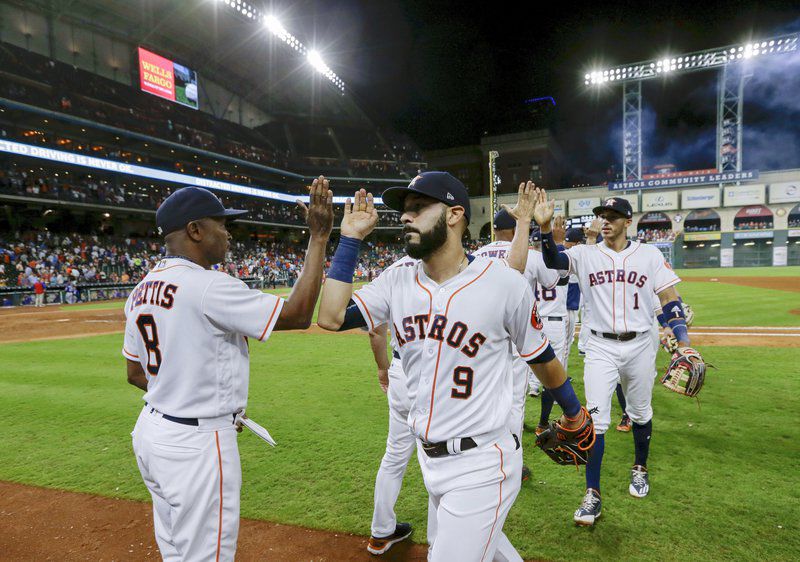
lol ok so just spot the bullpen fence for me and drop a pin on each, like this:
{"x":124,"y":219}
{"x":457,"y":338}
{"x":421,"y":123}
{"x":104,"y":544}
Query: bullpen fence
{"x":94,"y":292}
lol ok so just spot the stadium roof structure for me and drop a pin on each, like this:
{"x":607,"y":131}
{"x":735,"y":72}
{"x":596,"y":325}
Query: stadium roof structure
{"x":238,"y":52}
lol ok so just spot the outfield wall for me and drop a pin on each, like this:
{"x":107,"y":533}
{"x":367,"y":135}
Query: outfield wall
{"x":754,"y":223}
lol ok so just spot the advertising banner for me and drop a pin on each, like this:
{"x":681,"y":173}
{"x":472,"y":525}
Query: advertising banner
{"x":726,"y":257}
{"x":700,"y":198}
{"x":52,"y":155}
{"x":780,"y":255}
{"x":787,"y":192}
{"x":794,"y":233}
{"x":667,"y":201}
{"x":752,"y":234}
{"x":701,"y":236}
{"x":684,"y":181}
{"x":632,"y":199}
{"x":167,"y":79}
{"x":583,"y":206}
{"x":736,"y":195}
{"x":559,"y":207}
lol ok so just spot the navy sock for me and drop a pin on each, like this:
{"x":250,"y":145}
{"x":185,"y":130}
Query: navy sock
{"x":547,"y":407}
{"x":621,"y":398}
{"x":595,"y":461}
{"x":641,"y":442}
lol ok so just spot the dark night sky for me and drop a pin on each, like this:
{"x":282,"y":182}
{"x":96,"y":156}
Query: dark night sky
{"x":445,"y":71}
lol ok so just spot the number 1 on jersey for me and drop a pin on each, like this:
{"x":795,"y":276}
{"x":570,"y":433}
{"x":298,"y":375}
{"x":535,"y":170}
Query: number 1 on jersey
{"x":635,"y":301}
{"x":147,"y":327}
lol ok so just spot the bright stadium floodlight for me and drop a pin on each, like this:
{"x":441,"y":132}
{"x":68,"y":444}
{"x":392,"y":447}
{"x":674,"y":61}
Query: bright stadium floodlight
{"x":699,"y":60}
{"x":314,"y":58}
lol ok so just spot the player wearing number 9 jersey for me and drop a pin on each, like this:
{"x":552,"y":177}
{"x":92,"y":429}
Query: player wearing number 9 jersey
{"x":187,"y":335}
{"x":457,"y":320}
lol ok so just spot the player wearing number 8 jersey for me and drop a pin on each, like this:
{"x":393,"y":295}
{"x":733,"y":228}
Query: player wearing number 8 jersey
{"x":620,"y":281}
{"x":187,"y":335}
{"x":456,"y":319}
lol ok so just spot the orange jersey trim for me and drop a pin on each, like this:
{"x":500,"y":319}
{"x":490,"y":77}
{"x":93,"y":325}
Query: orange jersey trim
{"x":439,"y":354}
{"x":269,"y":322}
{"x":169,"y":267}
{"x":499,"y":503}
{"x":219,"y":530}
{"x":129,"y":353}
{"x":371,"y":323}
{"x":544,"y":344}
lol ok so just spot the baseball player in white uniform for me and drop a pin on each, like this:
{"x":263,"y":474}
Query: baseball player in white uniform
{"x":620,"y":281}
{"x":400,"y":442}
{"x":457,"y":319}
{"x":187,"y":334}
{"x":540,"y":279}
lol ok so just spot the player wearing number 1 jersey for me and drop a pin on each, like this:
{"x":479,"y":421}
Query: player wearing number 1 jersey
{"x":620,"y":281}
{"x":187,"y":335}
{"x":456,"y":319}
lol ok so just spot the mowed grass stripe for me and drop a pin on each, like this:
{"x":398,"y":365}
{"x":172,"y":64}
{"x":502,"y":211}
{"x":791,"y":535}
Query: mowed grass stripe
{"x":720,"y":472}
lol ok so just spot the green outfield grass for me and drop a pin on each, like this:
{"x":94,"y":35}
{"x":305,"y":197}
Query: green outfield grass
{"x":721,"y":472}
{"x":788,"y":271}
{"x":723,"y":304}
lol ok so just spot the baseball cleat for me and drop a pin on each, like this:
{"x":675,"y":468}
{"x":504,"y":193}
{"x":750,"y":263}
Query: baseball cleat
{"x":589,"y":510}
{"x":624,"y":424}
{"x":640,"y":482}
{"x":379,"y":545}
{"x":534,"y":393}
{"x":526,"y":473}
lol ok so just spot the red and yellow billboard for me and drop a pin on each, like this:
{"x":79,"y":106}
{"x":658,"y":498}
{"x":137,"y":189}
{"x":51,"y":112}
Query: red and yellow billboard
{"x":167,"y":79}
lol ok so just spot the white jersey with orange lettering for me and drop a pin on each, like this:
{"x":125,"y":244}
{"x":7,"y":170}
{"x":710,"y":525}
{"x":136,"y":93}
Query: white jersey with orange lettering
{"x":456,"y":340}
{"x":188,"y":328}
{"x":620,"y":289}
{"x":540,"y":279}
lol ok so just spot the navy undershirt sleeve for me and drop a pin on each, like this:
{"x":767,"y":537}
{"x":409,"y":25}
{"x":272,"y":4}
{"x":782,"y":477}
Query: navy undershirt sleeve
{"x":553,"y":259}
{"x":352,"y":318}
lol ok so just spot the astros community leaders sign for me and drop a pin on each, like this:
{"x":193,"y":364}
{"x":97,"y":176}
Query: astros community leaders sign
{"x":683,"y":181}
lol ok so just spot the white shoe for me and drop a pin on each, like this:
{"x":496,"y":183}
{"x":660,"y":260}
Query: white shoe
{"x":589,"y":510}
{"x":640,"y":482}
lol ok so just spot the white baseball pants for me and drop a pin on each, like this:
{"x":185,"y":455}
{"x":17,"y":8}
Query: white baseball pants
{"x":470,"y":495}
{"x":631,"y":364}
{"x":400,"y":444}
{"x":572,"y":320}
{"x":554,"y":330}
{"x":194,"y":476}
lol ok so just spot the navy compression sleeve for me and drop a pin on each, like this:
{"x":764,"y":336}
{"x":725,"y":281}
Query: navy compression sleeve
{"x":553,"y":259}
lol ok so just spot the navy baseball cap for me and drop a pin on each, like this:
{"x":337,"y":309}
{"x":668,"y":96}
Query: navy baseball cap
{"x":618,"y":204}
{"x":504,"y":221}
{"x":575,"y":235}
{"x":190,"y":204}
{"x":437,"y":185}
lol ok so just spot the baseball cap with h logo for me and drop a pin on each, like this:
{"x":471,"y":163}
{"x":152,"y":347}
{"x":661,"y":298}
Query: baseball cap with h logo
{"x":437,"y":185}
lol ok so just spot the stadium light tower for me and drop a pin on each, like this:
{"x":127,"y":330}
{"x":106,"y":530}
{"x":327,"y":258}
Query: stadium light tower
{"x":730,"y":97}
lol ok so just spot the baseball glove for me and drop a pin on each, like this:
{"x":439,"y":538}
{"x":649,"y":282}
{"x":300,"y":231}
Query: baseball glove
{"x":568,"y":446}
{"x":686,"y":372}
{"x":669,"y":343}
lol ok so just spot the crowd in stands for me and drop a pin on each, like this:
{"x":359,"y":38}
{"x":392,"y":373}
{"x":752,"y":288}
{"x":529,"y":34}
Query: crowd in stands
{"x":794,"y":221}
{"x":63,"y":88}
{"x":759,"y":224}
{"x":701,"y":227}
{"x":92,"y":188}
{"x":655,"y":235}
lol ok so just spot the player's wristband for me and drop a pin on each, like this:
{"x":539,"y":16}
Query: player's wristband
{"x":678,"y":327}
{"x":566,"y":398}
{"x":343,"y":265}
{"x":662,"y":320}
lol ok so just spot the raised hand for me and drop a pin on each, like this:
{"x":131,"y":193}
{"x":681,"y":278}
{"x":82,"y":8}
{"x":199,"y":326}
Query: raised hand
{"x":559,"y":230}
{"x":526,"y":202}
{"x":319,"y":213}
{"x":360,"y":216}
{"x":593,"y":230}
{"x":544,"y":210}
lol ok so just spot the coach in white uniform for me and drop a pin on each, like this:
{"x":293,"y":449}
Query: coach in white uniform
{"x":187,"y":334}
{"x":456,"y":319}
{"x":620,"y":281}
